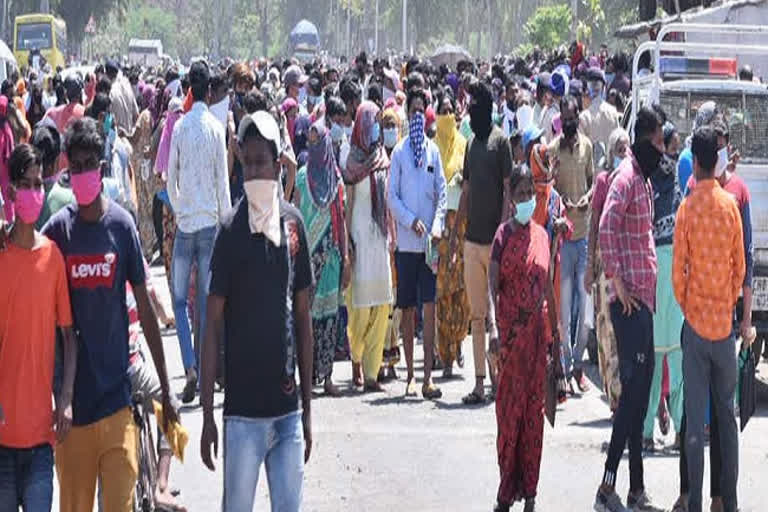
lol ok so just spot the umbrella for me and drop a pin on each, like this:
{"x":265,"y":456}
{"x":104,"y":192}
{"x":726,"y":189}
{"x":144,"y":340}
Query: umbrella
{"x":449,"y":54}
{"x":305,"y":32}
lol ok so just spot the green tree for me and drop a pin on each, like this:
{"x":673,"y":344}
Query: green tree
{"x":549,"y":27}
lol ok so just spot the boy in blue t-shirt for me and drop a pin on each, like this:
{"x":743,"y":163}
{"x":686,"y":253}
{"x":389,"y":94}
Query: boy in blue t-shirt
{"x":100,"y":245}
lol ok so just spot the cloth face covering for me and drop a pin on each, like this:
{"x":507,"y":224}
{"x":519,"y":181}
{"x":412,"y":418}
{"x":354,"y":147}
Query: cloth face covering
{"x":264,"y":208}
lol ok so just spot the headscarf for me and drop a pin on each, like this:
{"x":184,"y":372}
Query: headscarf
{"x":543,"y":181}
{"x":416,"y":135}
{"x":578,"y":55}
{"x":367,"y":159}
{"x":6,"y":147}
{"x":452,"y":146}
{"x":322,"y":172}
{"x":453,"y":80}
{"x":164,"y":148}
{"x":300,"y":134}
{"x":149,"y":92}
{"x":323,"y":180}
{"x":617,"y":135}
{"x":287,"y":105}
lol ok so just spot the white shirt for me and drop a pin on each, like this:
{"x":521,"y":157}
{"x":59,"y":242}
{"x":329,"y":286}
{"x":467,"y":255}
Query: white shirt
{"x":198,"y":181}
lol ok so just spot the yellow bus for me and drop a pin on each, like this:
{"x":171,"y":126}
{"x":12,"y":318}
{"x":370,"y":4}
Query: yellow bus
{"x":43,"y":32}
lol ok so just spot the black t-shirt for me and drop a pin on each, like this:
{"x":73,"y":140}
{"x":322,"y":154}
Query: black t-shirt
{"x":258,"y":281}
{"x":486,"y":164}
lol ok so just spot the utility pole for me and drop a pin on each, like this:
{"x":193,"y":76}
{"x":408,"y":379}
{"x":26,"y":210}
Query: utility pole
{"x":405,"y":26}
{"x":466,"y":22}
{"x":45,"y":6}
{"x":575,"y":27}
{"x":376,"y":29}
{"x":348,"y":45}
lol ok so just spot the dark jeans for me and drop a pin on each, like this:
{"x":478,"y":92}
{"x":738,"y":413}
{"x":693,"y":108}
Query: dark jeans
{"x":634,"y":340}
{"x":715,"y":458}
{"x":710,"y":371}
{"x":157,"y":220}
{"x":26,"y":479}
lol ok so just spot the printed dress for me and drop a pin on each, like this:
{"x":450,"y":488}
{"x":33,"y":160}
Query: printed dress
{"x":522,"y":254}
{"x":325,"y":253}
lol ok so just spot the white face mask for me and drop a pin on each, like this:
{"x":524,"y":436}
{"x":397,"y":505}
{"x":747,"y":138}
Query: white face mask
{"x":390,"y":137}
{"x":264,"y":208}
{"x":722,"y":162}
{"x":220,"y":111}
{"x":348,"y":130}
{"x":524,"y":117}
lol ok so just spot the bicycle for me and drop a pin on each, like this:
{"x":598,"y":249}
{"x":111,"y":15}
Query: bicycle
{"x":144,"y":500}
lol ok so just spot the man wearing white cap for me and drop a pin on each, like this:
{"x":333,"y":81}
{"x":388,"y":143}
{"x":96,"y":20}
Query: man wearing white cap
{"x":261,"y":275}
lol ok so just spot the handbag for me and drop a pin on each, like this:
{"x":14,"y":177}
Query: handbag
{"x":746,"y":392}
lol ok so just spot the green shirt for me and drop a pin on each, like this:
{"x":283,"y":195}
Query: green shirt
{"x":56,"y":198}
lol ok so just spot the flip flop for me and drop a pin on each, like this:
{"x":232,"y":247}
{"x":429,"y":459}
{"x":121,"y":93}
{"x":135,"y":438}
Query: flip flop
{"x":431,"y":392}
{"x":473,"y":399}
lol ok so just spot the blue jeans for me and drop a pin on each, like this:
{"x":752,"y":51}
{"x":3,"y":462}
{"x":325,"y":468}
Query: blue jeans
{"x":573,"y":266}
{"x":26,"y":479}
{"x":277,"y":442}
{"x":187,"y":249}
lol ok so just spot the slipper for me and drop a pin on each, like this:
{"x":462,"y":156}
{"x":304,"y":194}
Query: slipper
{"x":431,"y":392}
{"x":473,"y":399}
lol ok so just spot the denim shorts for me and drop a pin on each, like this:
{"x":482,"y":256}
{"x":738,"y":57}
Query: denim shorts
{"x":415,"y":280}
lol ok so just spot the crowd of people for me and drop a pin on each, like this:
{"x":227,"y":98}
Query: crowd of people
{"x":307,"y":214}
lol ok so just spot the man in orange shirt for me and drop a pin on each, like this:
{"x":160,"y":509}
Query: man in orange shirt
{"x":34,"y":300}
{"x":708,"y":271}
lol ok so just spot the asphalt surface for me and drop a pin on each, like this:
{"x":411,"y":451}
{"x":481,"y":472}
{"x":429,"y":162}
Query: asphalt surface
{"x":383,"y":452}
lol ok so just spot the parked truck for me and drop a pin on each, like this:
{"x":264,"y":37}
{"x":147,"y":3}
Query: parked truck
{"x":686,"y":74}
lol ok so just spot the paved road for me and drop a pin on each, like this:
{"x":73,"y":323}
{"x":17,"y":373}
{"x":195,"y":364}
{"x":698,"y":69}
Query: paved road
{"x":382,"y":452}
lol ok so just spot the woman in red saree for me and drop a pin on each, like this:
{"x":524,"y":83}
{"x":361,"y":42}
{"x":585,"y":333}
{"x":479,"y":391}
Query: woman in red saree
{"x":528,"y":333}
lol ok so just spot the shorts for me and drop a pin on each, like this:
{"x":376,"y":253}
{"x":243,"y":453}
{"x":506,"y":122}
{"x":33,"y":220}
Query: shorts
{"x":415,"y":280}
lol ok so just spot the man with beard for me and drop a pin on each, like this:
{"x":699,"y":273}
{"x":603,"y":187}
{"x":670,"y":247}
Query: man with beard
{"x":629,"y":257}
{"x":571,"y":153}
{"x":487,"y":170}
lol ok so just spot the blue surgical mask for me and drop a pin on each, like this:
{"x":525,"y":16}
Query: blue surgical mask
{"x":108,"y":123}
{"x":617,"y":161}
{"x":375,"y":133}
{"x":313,"y":100}
{"x":390,"y":137}
{"x":337,"y":132}
{"x":524,"y":211}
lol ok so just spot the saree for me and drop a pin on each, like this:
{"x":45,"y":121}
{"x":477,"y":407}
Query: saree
{"x":522,"y":255}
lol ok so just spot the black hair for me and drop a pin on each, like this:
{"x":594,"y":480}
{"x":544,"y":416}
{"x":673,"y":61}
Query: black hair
{"x":84,"y":134}
{"x":253,"y":131}
{"x":569,"y":101}
{"x":22,"y":157}
{"x":335,"y":107}
{"x":171,"y":75}
{"x":704,"y":148}
{"x":721,"y":128}
{"x":350,"y":90}
{"x":217,"y":81}
{"x":7,"y":88}
{"x":375,"y":93}
{"x":745,"y":74}
{"x":442,"y":94}
{"x":481,"y":92}
{"x":104,"y":85}
{"x":649,"y":119}
{"x":255,"y":101}
{"x":101,"y":103}
{"x":47,"y":141}
{"x":413,"y":94}
{"x":519,"y":174}
{"x":415,"y":79}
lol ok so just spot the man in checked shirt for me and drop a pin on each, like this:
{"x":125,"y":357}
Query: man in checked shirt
{"x":629,"y":257}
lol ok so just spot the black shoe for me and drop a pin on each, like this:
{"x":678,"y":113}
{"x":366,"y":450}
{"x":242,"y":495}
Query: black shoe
{"x":190,"y":389}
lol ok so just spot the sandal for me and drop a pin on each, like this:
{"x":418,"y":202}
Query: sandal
{"x":373,"y":387}
{"x":431,"y":392}
{"x":410,"y":388}
{"x":473,"y":399}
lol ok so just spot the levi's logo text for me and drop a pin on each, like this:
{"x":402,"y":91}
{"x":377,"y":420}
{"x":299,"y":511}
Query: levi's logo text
{"x":92,"y":270}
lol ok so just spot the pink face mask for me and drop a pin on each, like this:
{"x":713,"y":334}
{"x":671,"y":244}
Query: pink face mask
{"x":28,"y":204}
{"x":86,"y":186}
